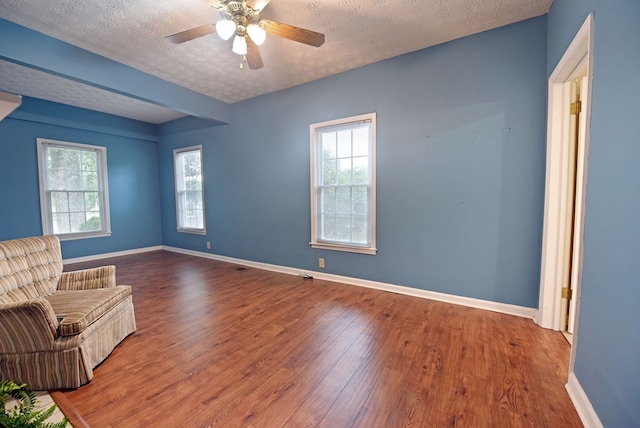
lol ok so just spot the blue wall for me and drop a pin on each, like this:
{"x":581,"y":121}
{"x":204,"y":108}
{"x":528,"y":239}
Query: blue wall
{"x":460,"y":171}
{"x":132,"y":158}
{"x":607,"y":361}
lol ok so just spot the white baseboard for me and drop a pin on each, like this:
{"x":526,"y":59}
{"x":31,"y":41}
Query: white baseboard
{"x":109,"y":255}
{"x":504,"y":308}
{"x":581,"y":402}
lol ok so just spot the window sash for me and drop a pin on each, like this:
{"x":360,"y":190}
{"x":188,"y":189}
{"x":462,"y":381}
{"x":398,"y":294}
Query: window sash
{"x":190,"y":212}
{"x":73,"y":189}
{"x":332,"y":219}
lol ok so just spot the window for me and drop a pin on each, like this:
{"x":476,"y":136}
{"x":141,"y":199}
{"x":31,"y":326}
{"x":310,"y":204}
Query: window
{"x":343,"y":184}
{"x":189,"y":190}
{"x":74,"y":198}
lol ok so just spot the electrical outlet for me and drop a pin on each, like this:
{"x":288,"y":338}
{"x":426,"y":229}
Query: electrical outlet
{"x":208,"y":245}
{"x":321,"y":262}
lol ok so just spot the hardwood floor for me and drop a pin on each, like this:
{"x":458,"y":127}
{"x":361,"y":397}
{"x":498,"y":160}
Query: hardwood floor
{"x":226,"y":346}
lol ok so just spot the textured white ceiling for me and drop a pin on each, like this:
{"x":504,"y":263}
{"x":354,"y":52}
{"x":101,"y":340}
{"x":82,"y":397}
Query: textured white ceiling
{"x":132,"y":32}
{"x":33,"y":83}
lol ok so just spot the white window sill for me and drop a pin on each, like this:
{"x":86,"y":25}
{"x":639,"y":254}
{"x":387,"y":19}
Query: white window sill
{"x":72,"y":236}
{"x":347,"y":248}
{"x":193,"y":231}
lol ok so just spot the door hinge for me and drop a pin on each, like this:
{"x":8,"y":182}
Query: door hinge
{"x":566,"y":293}
{"x":576,"y":107}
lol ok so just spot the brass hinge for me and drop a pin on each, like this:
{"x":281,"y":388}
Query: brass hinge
{"x":576,"y":107}
{"x":566,"y":293}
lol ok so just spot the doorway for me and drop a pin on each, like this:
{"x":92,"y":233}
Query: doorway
{"x":567,"y":148}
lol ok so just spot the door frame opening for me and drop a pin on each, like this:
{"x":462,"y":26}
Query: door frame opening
{"x":577,"y":57}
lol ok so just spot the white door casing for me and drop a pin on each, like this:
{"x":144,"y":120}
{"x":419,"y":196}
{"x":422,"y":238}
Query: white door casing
{"x":576,"y":59}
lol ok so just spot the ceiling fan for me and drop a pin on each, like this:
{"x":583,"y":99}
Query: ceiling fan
{"x":242,"y":19}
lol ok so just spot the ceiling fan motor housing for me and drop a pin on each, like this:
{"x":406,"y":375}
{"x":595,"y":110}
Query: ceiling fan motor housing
{"x":241,"y":14}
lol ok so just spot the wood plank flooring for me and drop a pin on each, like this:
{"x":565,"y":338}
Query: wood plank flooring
{"x":219,"y":345}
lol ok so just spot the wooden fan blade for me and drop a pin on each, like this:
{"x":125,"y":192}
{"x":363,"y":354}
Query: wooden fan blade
{"x":257,"y":5}
{"x":290,"y":32}
{"x":213,"y":3}
{"x":253,"y":55}
{"x":194,"y":33}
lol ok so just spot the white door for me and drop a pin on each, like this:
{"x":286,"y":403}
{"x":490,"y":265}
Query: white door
{"x":578,"y":211}
{"x":569,"y":228}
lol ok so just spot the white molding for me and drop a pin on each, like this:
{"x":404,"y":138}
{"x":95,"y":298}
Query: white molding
{"x":574,"y":57}
{"x":581,"y":402}
{"x":110,"y":255}
{"x":504,"y":308}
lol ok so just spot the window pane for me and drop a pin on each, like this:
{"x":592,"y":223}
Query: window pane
{"x":343,"y":228}
{"x":359,"y":229}
{"x":360,"y":201}
{"x":328,"y":200}
{"x":193,"y":183}
{"x":328,"y":145}
{"x":343,"y":200}
{"x":90,"y":180}
{"x":90,"y":161}
{"x":193,"y":199}
{"x":73,"y":159}
{"x":92,"y":222}
{"x":360,"y":170}
{"x":193,"y":209}
{"x":92,"y":201}
{"x":61,"y":223}
{"x":328,"y":230}
{"x":329,"y":172}
{"x":77,"y":220}
{"x":57,"y":179}
{"x":344,"y":143}
{"x":76,"y":201}
{"x":64,"y":158}
{"x":344,"y":172}
{"x":59,"y":202}
{"x":361,"y":141}
{"x":74,"y":180}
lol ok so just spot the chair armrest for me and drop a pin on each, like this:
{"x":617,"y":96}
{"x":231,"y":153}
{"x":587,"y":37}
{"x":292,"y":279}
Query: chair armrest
{"x":88,"y":279}
{"x":27,"y":326}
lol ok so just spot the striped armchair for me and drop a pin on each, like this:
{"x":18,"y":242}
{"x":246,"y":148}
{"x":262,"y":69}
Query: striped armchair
{"x":55,"y":327}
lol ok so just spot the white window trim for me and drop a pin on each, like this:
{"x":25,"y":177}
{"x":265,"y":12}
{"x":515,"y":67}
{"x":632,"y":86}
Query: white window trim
{"x":45,"y":203}
{"x":196,"y":231}
{"x":315,"y":243}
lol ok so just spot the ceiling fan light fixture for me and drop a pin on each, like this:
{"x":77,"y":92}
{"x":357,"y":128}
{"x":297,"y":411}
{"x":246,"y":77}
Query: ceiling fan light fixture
{"x":242,"y":19}
{"x":257,"y":34}
{"x":239,"y":45}
{"x":226,"y":28}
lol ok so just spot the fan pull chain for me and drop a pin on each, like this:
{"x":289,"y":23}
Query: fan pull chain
{"x":244,"y":59}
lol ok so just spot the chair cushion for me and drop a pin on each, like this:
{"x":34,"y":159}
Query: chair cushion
{"x":29,"y":268}
{"x":76,"y":309}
